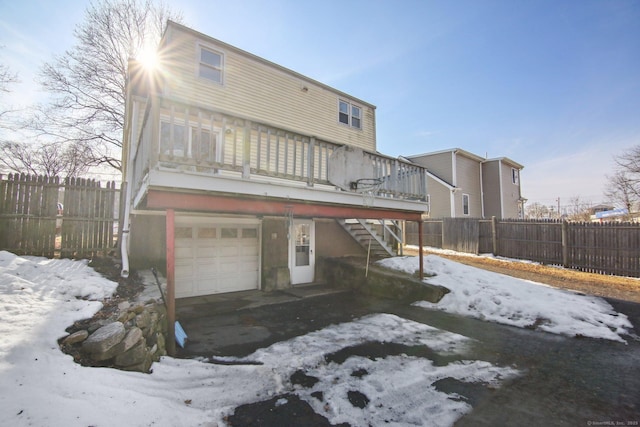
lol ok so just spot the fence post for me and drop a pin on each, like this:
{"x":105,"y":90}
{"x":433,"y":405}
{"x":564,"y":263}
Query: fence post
{"x":565,"y":243}
{"x":494,"y":235}
{"x":420,"y":250}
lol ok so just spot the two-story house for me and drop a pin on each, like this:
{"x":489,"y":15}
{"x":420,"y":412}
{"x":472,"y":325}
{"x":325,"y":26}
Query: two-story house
{"x":462,"y":184}
{"x":240,"y":173}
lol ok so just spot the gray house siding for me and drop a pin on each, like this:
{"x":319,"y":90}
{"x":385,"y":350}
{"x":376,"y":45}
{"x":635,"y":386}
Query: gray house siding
{"x":468,"y":181}
{"x":491,"y":185}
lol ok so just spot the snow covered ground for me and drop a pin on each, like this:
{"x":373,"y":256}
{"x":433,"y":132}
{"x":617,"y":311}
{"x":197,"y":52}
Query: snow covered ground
{"x":498,"y":298}
{"x":41,"y":386}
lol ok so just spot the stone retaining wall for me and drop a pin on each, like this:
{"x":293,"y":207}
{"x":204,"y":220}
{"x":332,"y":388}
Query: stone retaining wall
{"x":352,"y":272}
{"x":131,"y":337}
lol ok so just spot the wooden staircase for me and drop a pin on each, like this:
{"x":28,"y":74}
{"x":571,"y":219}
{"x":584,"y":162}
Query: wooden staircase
{"x":367,"y":237}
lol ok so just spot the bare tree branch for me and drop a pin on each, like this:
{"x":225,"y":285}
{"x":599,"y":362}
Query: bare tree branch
{"x":624,"y":185}
{"x":44,"y":159}
{"x":87,"y":82}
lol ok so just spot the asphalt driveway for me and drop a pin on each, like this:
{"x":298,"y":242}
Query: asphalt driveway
{"x":565,"y":381}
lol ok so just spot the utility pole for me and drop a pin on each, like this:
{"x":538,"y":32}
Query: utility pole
{"x":558,"y":200}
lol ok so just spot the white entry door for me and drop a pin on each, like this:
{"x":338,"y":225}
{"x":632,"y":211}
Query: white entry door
{"x":302,"y":257}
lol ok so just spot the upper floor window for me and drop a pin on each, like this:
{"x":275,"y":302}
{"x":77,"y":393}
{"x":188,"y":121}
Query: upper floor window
{"x":350,"y":114}
{"x":515,"y":176}
{"x":465,"y":204}
{"x":211,"y":64}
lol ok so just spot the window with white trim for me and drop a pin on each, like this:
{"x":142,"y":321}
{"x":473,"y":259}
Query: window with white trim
{"x":211,"y":64}
{"x":200,"y":144}
{"x":349,"y":114}
{"x":515,"y":176}
{"x":465,"y":204}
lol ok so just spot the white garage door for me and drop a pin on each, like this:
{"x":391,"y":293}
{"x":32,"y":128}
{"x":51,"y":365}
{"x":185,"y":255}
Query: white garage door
{"x":215,"y":257}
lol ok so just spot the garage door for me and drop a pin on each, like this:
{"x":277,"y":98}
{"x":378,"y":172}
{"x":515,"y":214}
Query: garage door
{"x":215,"y":257}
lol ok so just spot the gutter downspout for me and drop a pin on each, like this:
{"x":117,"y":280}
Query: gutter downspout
{"x":481,"y":190}
{"x":501,"y":193}
{"x":454,"y":182}
{"x":124,"y":244}
{"x":124,"y":250}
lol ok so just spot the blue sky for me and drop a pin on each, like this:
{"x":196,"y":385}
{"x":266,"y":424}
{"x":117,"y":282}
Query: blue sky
{"x":553,"y":85}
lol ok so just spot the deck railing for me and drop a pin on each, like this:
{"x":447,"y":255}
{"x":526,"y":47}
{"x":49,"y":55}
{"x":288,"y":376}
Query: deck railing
{"x":205,"y":141}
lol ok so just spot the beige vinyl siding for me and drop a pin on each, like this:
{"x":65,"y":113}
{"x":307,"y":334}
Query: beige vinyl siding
{"x":438,"y":164}
{"x":440,"y":198}
{"x":468,"y":180}
{"x":261,"y":92}
{"x":491,"y":183}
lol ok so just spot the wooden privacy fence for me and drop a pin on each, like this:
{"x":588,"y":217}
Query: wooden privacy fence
{"x":605,"y":248}
{"x":44,"y":217}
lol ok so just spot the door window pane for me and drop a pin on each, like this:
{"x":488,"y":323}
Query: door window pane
{"x":204,"y":144}
{"x":302,"y":244}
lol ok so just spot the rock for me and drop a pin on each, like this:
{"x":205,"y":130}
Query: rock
{"x":162,"y":345}
{"x":126,"y":316}
{"x":143,"y":366}
{"x":76,"y":337}
{"x":138,"y":309}
{"x":133,"y":356}
{"x":104,"y":338}
{"x":143,"y":320}
{"x":131,"y":339}
{"x":124,"y":305}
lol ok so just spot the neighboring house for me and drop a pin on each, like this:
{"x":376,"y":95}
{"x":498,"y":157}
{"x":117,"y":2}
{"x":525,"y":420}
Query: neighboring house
{"x":462,"y":184}
{"x":240,"y":173}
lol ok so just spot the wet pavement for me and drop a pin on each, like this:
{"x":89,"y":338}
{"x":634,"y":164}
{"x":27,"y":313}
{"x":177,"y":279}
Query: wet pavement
{"x":565,"y":381}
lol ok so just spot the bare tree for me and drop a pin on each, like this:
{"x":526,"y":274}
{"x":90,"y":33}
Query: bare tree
{"x":88,"y":81}
{"x":621,"y":190}
{"x":537,"y":211}
{"x":624,"y":185}
{"x":578,"y":210}
{"x":7,"y":78}
{"x":47,"y":159}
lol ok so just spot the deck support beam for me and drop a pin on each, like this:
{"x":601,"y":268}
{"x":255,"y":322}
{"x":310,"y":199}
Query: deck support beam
{"x":255,"y":206}
{"x":171,"y":283}
{"x":420,"y":249}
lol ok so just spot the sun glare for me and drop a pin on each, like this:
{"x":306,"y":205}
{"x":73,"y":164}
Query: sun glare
{"x":148,"y":57}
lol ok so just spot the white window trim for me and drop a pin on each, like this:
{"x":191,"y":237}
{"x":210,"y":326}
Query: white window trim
{"x":215,"y":50}
{"x":515,"y":176}
{"x":351,"y":105}
{"x":468,"y":205}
